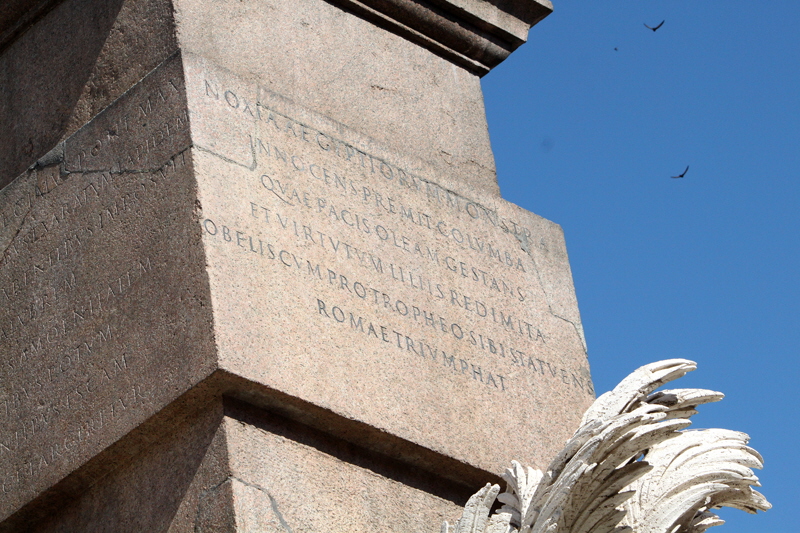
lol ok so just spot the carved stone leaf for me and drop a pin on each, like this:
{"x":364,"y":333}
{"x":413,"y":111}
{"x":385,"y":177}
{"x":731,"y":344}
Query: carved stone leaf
{"x":636,"y":387}
{"x":692,"y":473}
{"x":598,"y":462}
{"x":703,"y":521}
{"x":500,"y":523}
{"x":475,"y":517}
{"x":522,"y":483}
{"x":631,"y":467}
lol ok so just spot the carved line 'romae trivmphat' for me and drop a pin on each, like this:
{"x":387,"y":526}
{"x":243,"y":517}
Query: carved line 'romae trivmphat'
{"x":631,"y":466}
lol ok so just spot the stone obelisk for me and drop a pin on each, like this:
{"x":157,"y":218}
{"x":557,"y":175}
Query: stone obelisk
{"x":256,"y":273}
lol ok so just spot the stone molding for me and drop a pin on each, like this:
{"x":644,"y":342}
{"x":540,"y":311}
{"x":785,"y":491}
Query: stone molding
{"x":473,"y":34}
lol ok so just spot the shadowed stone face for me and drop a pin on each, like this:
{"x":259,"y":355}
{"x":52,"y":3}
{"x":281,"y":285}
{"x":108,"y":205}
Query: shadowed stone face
{"x":104,"y":318}
{"x":71,"y":64}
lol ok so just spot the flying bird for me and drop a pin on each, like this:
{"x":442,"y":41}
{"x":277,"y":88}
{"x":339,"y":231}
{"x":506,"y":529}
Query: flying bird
{"x":654,"y":29}
{"x":684,"y":173}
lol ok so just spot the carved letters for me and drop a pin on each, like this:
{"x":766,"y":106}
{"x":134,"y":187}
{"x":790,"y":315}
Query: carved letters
{"x":391,"y":240}
{"x":68,"y":273}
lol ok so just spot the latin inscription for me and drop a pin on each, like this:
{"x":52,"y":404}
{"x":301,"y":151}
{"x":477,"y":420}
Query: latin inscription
{"x":415,"y":346}
{"x":361,"y":160}
{"x":68,"y":376}
{"x":378,"y":297}
{"x":383,"y":257}
{"x":61,"y":448}
{"x":394,"y":242}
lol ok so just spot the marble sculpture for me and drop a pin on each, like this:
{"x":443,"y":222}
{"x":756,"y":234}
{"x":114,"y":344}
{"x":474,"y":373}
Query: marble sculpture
{"x":632,"y":466}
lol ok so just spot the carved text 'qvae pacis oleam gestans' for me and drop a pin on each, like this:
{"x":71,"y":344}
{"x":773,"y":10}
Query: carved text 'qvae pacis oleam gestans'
{"x":331,"y":244}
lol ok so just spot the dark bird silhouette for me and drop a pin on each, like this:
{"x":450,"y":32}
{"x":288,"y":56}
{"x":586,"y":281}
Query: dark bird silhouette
{"x":616,"y":49}
{"x":654,"y":29}
{"x":684,"y":173}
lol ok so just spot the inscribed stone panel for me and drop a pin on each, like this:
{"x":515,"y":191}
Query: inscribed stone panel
{"x":101,"y":287}
{"x":348,"y":276}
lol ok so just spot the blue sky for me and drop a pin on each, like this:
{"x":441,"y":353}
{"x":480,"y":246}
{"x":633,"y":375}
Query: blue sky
{"x":703,"y":267}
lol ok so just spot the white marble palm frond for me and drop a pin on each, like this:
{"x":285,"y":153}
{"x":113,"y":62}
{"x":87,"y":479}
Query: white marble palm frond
{"x":631,"y":466}
{"x":692,"y":473}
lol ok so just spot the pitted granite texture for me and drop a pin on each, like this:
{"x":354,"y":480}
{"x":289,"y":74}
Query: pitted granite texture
{"x":286,"y":206}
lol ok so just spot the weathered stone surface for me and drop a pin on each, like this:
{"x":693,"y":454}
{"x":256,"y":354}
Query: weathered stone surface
{"x":80,"y":57}
{"x":291,"y":479}
{"x":168,"y":487}
{"x":280,"y":485}
{"x":233,"y":468}
{"x":340,"y":66}
{"x":354,"y":278}
{"x":104,"y":317}
{"x":374,"y":81}
{"x":283,"y":204}
{"x":330,"y":269}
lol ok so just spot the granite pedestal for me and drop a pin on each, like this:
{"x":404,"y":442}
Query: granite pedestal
{"x":256,"y":272}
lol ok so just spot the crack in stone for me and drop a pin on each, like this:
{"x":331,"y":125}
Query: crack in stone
{"x":273,"y":502}
{"x":274,"y":505}
{"x":525,"y":245}
{"x":52,"y":158}
{"x":121,"y":171}
{"x":64,"y":172}
{"x":250,"y":167}
{"x":213,"y":488}
{"x":578,"y":330}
